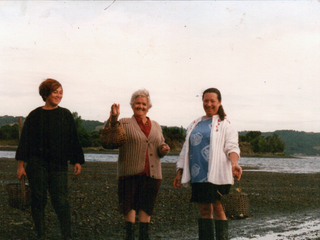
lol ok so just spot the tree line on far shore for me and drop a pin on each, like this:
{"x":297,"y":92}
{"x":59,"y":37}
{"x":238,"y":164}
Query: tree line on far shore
{"x":174,"y":136}
{"x":89,"y":133}
{"x":251,"y":142}
{"x":254,"y":142}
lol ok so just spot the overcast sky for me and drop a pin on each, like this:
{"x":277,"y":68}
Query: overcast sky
{"x":263,"y":56}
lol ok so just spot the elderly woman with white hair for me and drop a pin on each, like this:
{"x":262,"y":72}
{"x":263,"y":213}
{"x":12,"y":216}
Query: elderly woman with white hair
{"x":139,"y":166}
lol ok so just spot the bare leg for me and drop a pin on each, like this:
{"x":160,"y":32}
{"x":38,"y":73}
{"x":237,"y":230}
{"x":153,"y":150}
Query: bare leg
{"x":206,"y":210}
{"x":144,"y":217}
{"x":218,"y":211}
{"x":130,"y":216}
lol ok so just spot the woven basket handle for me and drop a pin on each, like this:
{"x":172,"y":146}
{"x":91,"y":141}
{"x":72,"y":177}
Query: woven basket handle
{"x":232,"y":189}
{"x":238,"y":187}
{"x":108,"y":124}
{"x":23,"y":187}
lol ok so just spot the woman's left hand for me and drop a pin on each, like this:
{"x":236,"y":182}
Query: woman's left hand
{"x":165,"y":148}
{"x":237,"y":171}
{"x":77,"y":169}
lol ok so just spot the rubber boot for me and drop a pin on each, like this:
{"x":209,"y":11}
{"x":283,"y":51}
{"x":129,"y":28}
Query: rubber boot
{"x":41,"y":233}
{"x":206,"y":228}
{"x":143,"y":231}
{"x":129,"y":231}
{"x":65,"y":226}
{"x":221,"y":229}
{"x":38,"y":219}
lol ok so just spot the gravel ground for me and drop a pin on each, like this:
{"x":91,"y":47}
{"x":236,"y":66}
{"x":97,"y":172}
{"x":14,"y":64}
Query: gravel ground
{"x":280,"y":204}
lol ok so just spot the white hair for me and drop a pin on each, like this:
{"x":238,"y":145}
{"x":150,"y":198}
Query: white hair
{"x":141,"y":93}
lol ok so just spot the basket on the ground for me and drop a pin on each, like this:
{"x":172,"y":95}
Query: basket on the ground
{"x":113,"y":137}
{"x":19,"y":194}
{"x":236,"y":205}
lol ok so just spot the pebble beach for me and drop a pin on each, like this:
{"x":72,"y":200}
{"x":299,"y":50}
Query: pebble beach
{"x":275,"y":198}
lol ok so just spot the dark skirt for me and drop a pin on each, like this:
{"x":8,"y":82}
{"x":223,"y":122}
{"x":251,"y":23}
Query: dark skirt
{"x":208,"y":192}
{"x":138,"y":192}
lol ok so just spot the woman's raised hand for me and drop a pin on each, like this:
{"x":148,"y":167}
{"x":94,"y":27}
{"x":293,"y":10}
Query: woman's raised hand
{"x":115,"y":110}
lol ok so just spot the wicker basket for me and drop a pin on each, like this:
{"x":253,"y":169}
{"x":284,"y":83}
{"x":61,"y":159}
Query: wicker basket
{"x":236,"y":204}
{"x":113,"y":137}
{"x":19,"y":194}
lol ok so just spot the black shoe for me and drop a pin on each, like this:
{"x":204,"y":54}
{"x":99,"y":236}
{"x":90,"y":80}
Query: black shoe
{"x":42,"y":236}
{"x":206,"y":228}
{"x":129,"y":231}
{"x":143,"y":231}
{"x":221,"y":229}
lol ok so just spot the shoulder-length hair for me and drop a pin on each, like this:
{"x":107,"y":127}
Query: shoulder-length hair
{"x":141,"y":93}
{"x":221,"y":112}
{"x":47,"y":87}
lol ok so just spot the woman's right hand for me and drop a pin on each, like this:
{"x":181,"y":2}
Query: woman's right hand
{"x":177,"y":179}
{"x":115,"y":110}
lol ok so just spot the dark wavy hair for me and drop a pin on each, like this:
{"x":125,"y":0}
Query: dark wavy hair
{"x":221,"y":112}
{"x":47,"y":87}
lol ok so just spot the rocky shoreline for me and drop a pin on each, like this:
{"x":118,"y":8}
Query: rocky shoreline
{"x":93,"y":199}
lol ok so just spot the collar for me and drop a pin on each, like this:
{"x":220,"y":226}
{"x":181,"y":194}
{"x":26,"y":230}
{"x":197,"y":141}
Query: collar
{"x":139,"y":120}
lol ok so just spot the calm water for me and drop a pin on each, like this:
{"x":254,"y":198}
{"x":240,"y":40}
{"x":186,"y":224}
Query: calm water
{"x":284,"y":165}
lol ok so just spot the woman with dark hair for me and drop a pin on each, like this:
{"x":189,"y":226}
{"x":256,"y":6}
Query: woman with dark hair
{"x":139,"y":165}
{"x":209,"y":162}
{"x":48,"y":141}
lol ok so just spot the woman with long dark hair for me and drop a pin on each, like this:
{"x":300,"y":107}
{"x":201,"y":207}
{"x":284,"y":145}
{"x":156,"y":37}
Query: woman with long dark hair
{"x":209,"y":162}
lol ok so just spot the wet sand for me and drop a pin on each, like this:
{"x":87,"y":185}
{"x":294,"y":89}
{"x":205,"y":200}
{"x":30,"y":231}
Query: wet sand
{"x":94,"y":204}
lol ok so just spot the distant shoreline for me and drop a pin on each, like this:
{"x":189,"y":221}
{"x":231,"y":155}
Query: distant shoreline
{"x":100,"y":150}
{"x":257,"y":155}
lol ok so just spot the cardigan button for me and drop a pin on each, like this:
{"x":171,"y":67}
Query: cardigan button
{"x":150,"y":154}
{"x":152,"y":166}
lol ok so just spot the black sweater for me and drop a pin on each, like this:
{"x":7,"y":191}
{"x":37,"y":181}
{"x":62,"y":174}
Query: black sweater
{"x":49,"y":138}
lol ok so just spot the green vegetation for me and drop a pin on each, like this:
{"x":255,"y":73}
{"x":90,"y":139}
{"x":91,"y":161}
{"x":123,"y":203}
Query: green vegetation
{"x":86,"y":138}
{"x":9,"y":132}
{"x":296,"y":143}
{"x":9,"y":120}
{"x":288,"y":142}
{"x":174,"y":136}
{"x":259,"y":144}
{"x":302,"y":143}
{"x":92,"y":126}
{"x":89,"y":133}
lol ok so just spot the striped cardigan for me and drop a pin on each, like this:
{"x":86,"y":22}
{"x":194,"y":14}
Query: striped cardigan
{"x":132,"y":154}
